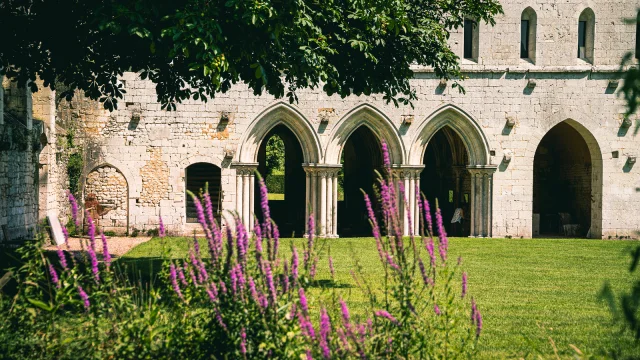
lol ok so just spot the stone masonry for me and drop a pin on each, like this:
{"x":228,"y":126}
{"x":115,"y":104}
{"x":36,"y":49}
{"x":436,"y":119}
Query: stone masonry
{"x":509,"y":106}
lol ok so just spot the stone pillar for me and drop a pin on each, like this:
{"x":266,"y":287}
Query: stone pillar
{"x":322,"y":198}
{"x":481,"y":199}
{"x":245,"y":197}
{"x":409,"y":175}
{"x":1,"y":100}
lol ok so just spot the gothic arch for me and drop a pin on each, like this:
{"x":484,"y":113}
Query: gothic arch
{"x":596,"y":152}
{"x":376,"y":121}
{"x":134,"y":183}
{"x":277,"y":114}
{"x":459,"y":121}
{"x":108,"y":185}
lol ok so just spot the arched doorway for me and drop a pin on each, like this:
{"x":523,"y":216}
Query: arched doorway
{"x":563,"y":187}
{"x":280,"y":159}
{"x":361,"y":157}
{"x":446,"y":179}
{"x":106,"y":195}
{"x":200,"y":177}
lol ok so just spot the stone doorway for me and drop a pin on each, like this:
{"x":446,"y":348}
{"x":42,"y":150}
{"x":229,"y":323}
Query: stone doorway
{"x":106,"y":195}
{"x":361,"y":158}
{"x":563,"y":188}
{"x":446,"y":179}
{"x":286,"y":182}
{"x":200,"y":177}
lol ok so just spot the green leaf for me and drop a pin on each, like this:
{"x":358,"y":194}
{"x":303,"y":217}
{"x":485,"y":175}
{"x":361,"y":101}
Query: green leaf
{"x":40,"y":304}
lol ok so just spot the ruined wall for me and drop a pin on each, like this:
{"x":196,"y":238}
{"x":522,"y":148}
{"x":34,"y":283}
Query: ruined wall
{"x":110,"y":189}
{"x":140,"y":139}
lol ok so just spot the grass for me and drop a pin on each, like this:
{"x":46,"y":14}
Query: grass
{"x":530,"y":291}
{"x":274,"y":196}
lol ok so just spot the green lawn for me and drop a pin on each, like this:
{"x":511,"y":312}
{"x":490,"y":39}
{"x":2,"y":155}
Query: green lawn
{"x":528,"y":290}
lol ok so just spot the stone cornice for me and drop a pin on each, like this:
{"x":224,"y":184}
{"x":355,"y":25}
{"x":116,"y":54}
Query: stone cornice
{"x":524,"y":69}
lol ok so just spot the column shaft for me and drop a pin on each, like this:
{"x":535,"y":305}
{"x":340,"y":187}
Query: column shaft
{"x":329,"y":213}
{"x":246,"y":211}
{"x":334,"y":221}
{"x":239,"y":192}
{"x":307,"y":203}
{"x":252,"y":200}
{"x":472,"y":208}
{"x":323,"y":204}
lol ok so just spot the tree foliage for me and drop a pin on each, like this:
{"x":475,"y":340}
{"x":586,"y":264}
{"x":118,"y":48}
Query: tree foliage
{"x":194,"y":49}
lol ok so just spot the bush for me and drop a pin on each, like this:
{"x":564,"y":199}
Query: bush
{"x":241,"y":298}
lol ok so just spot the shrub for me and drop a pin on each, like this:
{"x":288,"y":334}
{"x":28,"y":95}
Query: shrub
{"x":241,"y":298}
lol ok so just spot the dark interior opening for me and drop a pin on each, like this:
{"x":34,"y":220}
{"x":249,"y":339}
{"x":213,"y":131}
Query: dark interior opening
{"x":562,"y":184}
{"x":446,"y":179}
{"x":287,"y":212}
{"x":197,"y":177}
{"x":361,"y":157}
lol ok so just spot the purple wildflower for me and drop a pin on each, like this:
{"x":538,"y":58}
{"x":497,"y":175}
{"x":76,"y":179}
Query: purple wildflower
{"x":312,"y":271}
{"x":294,"y":265}
{"x":243,"y":342}
{"x":212,"y":293}
{"x":62,"y":257}
{"x":181,"y":277}
{"x":385,"y":154}
{"x":444,"y":242}
{"x":306,"y":326}
{"x":220,"y":320}
{"x":309,"y":357}
{"x":94,"y":263}
{"x":374,"y":224}
{"x":276,"y":240}
{"x":174,"y":281}
{"x":464,"y":284}
{"x":161,"y":230}
{"x":194,"y":279}
{"x":427,"y":216}
{"x":65,"y":232}
{"x":84,"y":297}
{"x":476,"y":317}
{"x":478,"y":323}
{"x":74,"y":209}
{"x":208,"y":207}
{"x":392,"y":263}
{"x":345,"y":312}
{"x":436,"y":309}
{"x":303,"y":301}
{"x":331,"y":267}
{"x":234,"y":280}
{"x":264,"y":204}
{"x":91,"y":231}
{"x":385,"y":314}
{"x":105,"y":251}
{"x":431,"y":250}
{"x":423,"y":272}
{"x":325,"y":329}
{"x":54,"y":276}
{"x":269,"y":280}
{"x":307,"y":253}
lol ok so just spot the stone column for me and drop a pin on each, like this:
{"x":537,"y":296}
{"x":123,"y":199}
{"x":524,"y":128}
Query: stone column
{"x":322,"y":197}
{"x":1,"y":100}
{"x":409,"y":175}
{"x":481,"y":199}
{"x":307,"y":202}
{"x":245,"y":197}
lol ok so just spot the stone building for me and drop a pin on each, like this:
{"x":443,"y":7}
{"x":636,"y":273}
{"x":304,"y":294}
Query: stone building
{"x":538,"y":144}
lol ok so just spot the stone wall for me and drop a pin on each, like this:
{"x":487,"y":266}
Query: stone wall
{"x":509,"y":105}
{"x":110,"y":189}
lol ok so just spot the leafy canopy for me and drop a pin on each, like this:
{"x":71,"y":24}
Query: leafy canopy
{"x":193,"y":49}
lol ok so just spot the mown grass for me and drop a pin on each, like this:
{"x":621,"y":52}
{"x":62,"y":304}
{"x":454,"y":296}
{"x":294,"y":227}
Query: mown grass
{"x":533,"y":293}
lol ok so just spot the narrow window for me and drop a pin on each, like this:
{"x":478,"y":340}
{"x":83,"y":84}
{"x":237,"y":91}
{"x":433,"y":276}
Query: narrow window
{"x":582,"y":39}
{"x":638,"y":36}
{"x":471,"y":40}
{"x":468,"y":39}
{"x":524,"y":39}
{"x":586,"y":35}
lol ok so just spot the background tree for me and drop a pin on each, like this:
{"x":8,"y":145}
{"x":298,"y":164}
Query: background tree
{"x":194,"y":49}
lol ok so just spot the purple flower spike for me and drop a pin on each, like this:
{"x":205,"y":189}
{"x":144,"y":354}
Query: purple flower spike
{"x":294,"y":265}
{"x":385,"y":154}
{"x":74,"y":209}
{"x":464,"y":284}
{"x":62,"y":257}
{"x":442,"y":234}
{"x":385,"y":314}
{"x":423,"y":272}
{"x":325,"y":330}
{"x":303,"y":302}
{"x":431,"y":250}
{"x":94,"y":264}
{"x":105,"y":251}
{"x":264,"y":205}
{"x":161,"y":230}
{"x":84,"y":297}
{"x":307,"y":253}
{"x":478,"y":323}
{"x":181,"y":277}
{"x":65,"y":232}
{"x":345,"y":312}
{"x":427,"y":216}
{"x":91,"y":231}
{"x":243,"y":342}
{"x":270,"y":284}
{"x":174,"y":280}
{"x":54,"y":276}
{"x":436,"y":309}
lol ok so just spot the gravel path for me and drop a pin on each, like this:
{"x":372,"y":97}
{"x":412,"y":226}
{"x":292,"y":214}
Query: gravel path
{"x":118,"y":246}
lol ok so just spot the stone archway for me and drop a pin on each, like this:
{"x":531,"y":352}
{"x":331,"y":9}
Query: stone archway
{"x":199,"y":178}
{"x":467,"y":133}
{"x":106,"y":192}
{"x":567,"y":183}
{"x":291,"y":121}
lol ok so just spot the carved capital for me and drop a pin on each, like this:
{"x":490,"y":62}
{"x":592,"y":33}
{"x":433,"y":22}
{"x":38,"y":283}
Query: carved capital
{"x":244,"y":169}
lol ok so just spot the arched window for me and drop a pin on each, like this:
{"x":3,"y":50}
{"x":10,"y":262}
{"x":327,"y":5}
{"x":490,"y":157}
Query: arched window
{"x":471,"y":39}
{"x":528,"y":24}
{"x":586,"y":35}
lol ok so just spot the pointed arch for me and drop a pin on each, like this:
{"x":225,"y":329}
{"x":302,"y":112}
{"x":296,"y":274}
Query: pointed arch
{"x":376,"y":121}
{"x":459,"y":121}
{"x":595,"y":153}
{"x":285,"y":114}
